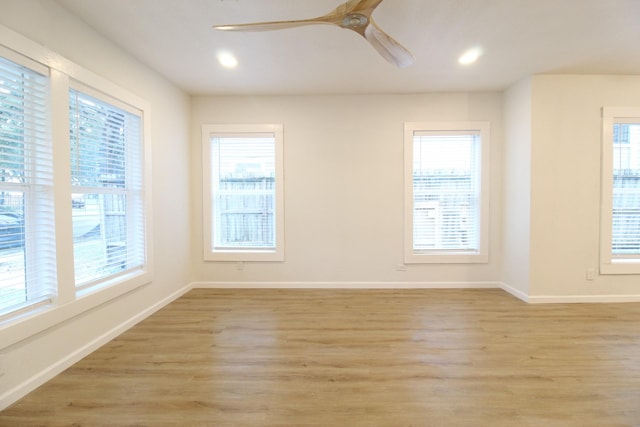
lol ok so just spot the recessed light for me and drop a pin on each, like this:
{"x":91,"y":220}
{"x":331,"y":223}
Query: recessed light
{"x":227,"y":60}
{"x":470,"y":56}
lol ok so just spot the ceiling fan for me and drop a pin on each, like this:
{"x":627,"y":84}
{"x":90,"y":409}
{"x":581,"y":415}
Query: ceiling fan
{"x":353,"y":15}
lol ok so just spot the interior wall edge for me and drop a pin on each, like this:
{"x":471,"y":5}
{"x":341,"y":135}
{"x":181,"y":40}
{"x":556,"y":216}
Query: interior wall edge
{"x":515,"y":292}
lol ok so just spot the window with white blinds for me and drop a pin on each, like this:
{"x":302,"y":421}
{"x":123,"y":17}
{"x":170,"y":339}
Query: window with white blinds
{"x":46,"y":225}
{"x":445,"y":169}
{"x":27,"y":245}
{"x":107,"y":200}
{"x":620,"y":228}
{"x":244,"y":181}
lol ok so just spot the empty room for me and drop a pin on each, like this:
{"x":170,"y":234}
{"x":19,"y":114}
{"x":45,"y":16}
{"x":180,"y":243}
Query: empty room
{"x":320,"y":213}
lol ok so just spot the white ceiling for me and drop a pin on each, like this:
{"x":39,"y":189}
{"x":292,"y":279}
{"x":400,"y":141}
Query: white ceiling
{"x":518,"y":37}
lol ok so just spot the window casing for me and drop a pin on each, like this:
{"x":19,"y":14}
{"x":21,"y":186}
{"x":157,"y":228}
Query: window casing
{"x":27,"y":261}
{"x":107,"y":181}
{"x":620,"y":214}
{"x":243,"y":186}
{"x":36,"y":188}
{"x":446,"y":192}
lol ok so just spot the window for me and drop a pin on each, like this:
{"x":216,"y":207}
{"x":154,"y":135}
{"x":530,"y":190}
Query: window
{"x":620,"y":227}
{"x":106,"y":176}
{"x":446,"y":192}
{"x":243,"y":181}
{"x":74,"y":179}
{"x":27,"y":259}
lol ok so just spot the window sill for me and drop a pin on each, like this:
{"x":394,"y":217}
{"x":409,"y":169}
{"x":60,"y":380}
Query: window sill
{"x":40,"y":319}
{"x":621,"y":267}
{"x":245,"y":255}
{"x":446,"y":258}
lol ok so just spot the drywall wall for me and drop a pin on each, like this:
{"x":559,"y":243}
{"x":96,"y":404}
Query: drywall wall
{"x":516,"y":187}
{"x":26,"y":364}
{"x":343,"y":160}
{"x":565,"y":184}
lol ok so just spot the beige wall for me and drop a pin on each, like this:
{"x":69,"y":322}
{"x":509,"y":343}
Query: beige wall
{"x":565,"y":183}
{"x":27,"y":363}
{"x":343,"y":185}
{"x":516,"y":187}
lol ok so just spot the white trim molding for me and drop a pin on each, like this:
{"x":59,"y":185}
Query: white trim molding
{"x":515,"y":292}
{"x":241,"y":132}
{"x":620,"y":262}
{"x":346,"y":285}
{"x":569,"y":299}
{"x":583,"y":299}
{"x":477,"y":252}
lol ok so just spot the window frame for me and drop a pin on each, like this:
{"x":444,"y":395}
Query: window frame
{"x":69,"y":301}
{"x":609,"y":263}
{"x":481,"y":255}
{"x":133,"y":190}
{"x":210,"y":253}
{"x":37,"y":197}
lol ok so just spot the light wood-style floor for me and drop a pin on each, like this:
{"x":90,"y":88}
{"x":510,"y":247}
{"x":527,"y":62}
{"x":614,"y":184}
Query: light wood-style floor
{"x":355,"y":358}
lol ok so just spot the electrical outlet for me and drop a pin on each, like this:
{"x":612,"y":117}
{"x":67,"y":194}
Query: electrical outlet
{"x":591,"y":273}
{"x":240,"y":265}
{"x":401,"y":267}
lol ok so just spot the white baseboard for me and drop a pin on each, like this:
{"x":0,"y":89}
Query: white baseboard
{"x":584,"y":299}
{"x":346,"y":285}
{"x":537,"y":299}
{"x":515,"y":292}
{"x":42,"y":377}
{"x":568,"y":299}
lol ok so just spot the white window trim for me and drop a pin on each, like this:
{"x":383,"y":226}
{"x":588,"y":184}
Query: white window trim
{"x":446,"y":257}
{"x":209,"y":252}
{"x":608,"y":263}
{"x":129,"y":191}
{"x":69,"y":301}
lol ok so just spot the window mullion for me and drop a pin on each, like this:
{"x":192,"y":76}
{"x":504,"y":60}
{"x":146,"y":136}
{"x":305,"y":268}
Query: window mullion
{"x":62,"y":187}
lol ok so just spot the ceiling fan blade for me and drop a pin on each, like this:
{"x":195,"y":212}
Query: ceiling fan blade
{"x":335,"y":17}
{"x":354,"y":15}
{"x":361,"y":6}
{"x":386,"y":46}
{"x":269,"y":26}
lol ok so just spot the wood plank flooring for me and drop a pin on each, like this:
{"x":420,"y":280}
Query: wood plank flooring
{"x":355,"y":358}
